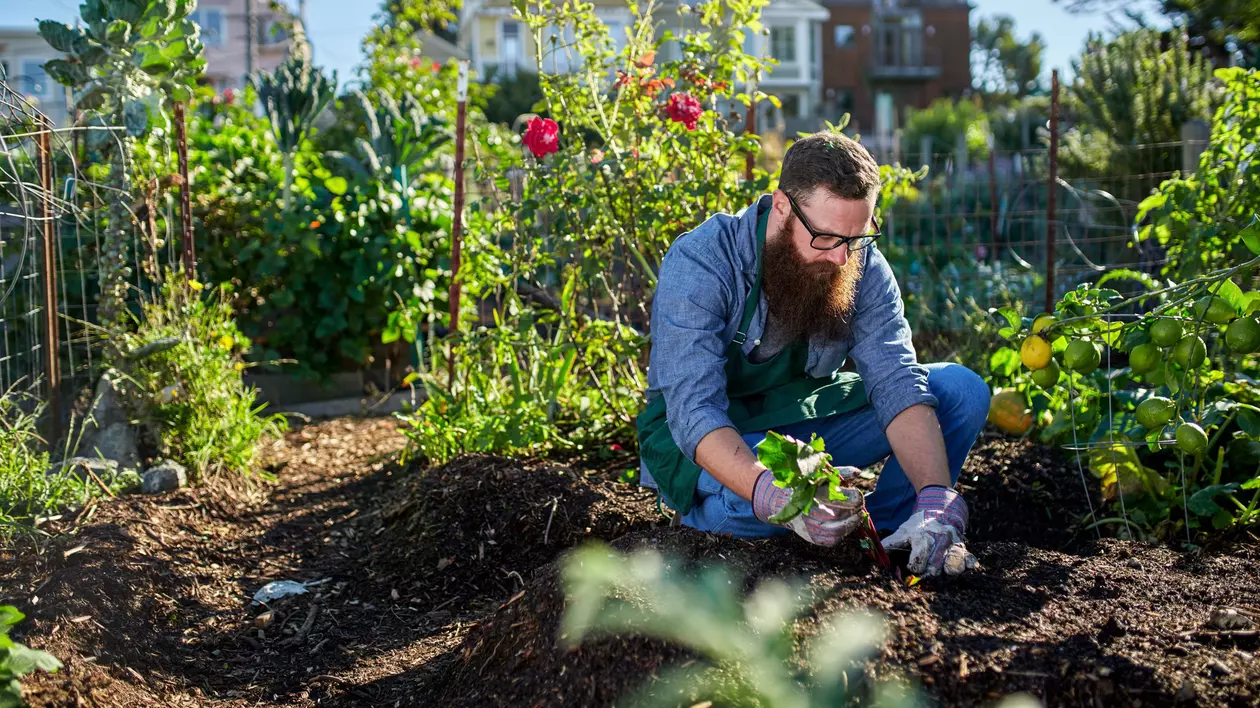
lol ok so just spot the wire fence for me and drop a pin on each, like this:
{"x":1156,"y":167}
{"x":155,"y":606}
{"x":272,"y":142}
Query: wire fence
{"x":54,"y":206}
{"x":985,"y":233}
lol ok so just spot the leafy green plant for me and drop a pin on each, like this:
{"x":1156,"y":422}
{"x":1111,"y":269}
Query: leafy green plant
{"x":1200,"y":219}
{"x":1136,"y":89}
{"x":29,"y":487}
{"x":804,"y":468}
{"x":745,"y":646}
{"x":1171,"y":437}
{"x":293,"y":96}
{"x":531,"y":393}
{"x":127,"y":60}
{"x":184,"y":364}
{"x":946,"y":122}
{"x":18,"y":660}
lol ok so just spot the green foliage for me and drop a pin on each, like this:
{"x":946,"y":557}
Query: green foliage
{"x":1192,"y":470}
{"x":1003,"y":67}
{"x":321,"y":283}
{"x":128,"y":59}
{"x":18,"y":660}
{"x":1129,"y":91}
{"x":947,"y":121}
{"x":293,"y":96}
{"x":1204,"y":219}
{"x":514,"y":96}
{"x":29,"y":488}
{"x":801,"y":467}
{"x":184,"y":366}
{"x":529,"y":393}
{"x":746,"y":646}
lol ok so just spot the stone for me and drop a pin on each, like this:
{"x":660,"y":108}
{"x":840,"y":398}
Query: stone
{"x":166,"y":476}
{"x":106,"y":405}
{"x":116,"y":442}
{"x":105,"y":470}
{"x":1218,"y":668}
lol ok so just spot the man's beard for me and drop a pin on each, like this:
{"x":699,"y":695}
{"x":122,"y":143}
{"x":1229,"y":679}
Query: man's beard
{"x":808,"y":299}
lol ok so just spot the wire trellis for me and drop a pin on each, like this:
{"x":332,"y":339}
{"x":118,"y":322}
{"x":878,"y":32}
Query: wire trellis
{"x":54,"y":206}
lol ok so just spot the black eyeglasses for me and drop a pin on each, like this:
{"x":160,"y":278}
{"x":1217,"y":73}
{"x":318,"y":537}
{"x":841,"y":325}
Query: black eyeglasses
{"x":827,"y":242}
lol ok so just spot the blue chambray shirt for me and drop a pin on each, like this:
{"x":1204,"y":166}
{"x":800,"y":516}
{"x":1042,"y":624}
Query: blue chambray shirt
{"x":705,"y":278}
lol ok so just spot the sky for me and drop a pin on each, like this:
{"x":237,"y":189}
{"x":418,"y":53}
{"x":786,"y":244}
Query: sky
{"x":336,"y":27}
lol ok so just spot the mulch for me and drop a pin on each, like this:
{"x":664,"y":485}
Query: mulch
{"x":440,"y":586}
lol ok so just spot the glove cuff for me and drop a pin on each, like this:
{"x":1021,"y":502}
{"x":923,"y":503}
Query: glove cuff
{"x":944,"y":504}
{"x":766,"y":497}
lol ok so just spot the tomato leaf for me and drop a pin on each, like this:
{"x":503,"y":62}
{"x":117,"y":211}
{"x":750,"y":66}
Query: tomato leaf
{"x":1004,"y":362}
{"x":1251,"y":235}
{"x":1013,"y":321}
{"x":1203,"y":501}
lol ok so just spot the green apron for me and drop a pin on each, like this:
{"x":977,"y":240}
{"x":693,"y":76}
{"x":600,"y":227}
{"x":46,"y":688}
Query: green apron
{"x":771,"y":394}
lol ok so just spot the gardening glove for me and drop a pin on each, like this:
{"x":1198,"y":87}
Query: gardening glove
{"x":934,"y":533}
{"x":825,"y":523}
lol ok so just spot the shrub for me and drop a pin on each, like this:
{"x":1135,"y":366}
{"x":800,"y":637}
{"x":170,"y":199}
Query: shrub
{"x":183,"y":365}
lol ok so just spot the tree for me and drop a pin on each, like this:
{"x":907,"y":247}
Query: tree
{"x":1137,"y":89}
{"x":1003,"y":67}
{"x":1220,"y":27}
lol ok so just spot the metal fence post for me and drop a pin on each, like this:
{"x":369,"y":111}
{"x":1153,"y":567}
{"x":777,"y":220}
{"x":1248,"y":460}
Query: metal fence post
{"x":1051,"y":187}
{"x":185,"y":209}
{"x":461,"y":95}
{"x":1195,"y":135}
{"x":48,"y":262}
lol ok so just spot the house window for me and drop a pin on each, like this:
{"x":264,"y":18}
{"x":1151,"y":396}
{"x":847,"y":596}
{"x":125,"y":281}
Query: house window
{"x":783,"y":44}
{"x":275,"y":32}
{"x":846,"y":36}
{"x":791,"y":104}
{"x":211,"y":21}
{"x":510,"y":47}
{"x":34,"y":81}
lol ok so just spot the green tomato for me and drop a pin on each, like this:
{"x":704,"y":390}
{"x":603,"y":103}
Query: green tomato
{"x":1156,"y":412}
{"x":1191,"y":439}
{"x":1166,"y":332}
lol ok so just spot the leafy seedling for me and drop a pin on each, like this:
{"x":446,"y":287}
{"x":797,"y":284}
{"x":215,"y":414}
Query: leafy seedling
{"x":805,"y":468}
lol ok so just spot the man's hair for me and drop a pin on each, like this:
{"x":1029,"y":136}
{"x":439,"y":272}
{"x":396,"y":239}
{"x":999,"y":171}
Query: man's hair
{"x":832,"y":161}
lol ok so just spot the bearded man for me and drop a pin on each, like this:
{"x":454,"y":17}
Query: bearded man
{"x":754,"y":316}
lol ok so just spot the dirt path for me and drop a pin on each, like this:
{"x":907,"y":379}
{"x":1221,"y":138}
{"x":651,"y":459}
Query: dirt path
{"x":438,"y":590}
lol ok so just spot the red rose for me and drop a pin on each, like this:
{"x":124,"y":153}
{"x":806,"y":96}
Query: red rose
{"x":437,"y":66}
{"x":542,"y":136}
{"x":684,"y":108}
{"x":229,"y":96}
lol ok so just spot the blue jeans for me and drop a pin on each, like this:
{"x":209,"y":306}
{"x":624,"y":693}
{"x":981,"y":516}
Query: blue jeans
{"x":855,"y":439}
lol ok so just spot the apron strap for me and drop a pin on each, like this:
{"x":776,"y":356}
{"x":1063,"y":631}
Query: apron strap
{"x":754,"y":296}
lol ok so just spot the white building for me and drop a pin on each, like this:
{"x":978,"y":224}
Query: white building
{"x":22,"y":56}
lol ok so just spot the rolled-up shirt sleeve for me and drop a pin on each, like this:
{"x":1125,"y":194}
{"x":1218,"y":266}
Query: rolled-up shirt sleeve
{"x":882,"y":348}
{"x":688,"y":356}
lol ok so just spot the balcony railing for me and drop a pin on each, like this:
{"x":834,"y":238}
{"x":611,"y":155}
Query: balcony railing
{"x":900,"y":53}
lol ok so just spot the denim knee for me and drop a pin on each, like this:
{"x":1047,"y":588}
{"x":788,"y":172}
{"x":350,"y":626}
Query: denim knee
{"x":961,"y":392}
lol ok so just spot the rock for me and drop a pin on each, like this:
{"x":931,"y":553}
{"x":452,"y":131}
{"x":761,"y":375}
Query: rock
{"x":1230,"y":618}
{"x":1218,"y":668}
{"x":1187,"y":693}
{"x":106,"y":405}
{"x":165,"y":477}
{"x":1115,"y":627}
{"x":116,"y":442}
{"x":1135,"y":564}
{"x":105,"y":470}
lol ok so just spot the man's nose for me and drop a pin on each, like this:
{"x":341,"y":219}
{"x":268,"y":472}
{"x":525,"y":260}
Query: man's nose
{"x":838,"y":255}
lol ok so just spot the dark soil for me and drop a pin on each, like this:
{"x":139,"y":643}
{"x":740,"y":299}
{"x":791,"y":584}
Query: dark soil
{"x":439,"y":588}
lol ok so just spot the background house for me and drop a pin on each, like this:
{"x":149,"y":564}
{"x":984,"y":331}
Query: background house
{"x":22,"y":55}
{"x":882,"y":58}
{"x":500,"y":45}
{"x":232,"y":50}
